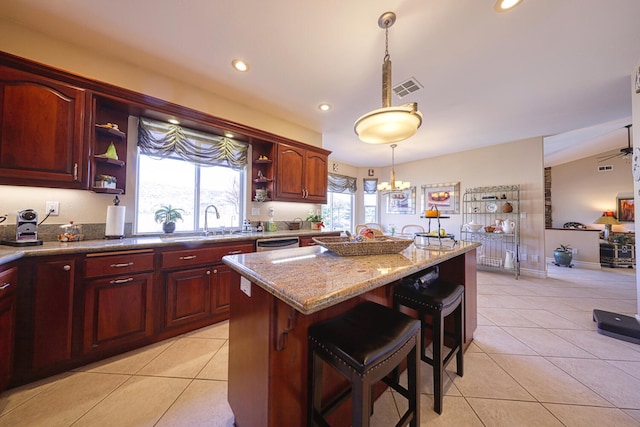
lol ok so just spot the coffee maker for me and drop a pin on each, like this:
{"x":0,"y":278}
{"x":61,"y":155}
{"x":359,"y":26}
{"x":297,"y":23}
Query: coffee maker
{"x":26,"y":229}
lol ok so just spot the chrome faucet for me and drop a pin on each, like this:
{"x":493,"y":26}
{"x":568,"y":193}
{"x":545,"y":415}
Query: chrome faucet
{"x":206,"y":212}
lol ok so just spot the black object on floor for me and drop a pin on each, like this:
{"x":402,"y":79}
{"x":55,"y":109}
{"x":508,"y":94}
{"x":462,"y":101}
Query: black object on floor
{"x":625,"y":328}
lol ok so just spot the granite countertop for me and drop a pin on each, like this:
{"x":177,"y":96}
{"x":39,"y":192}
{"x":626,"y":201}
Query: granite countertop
{"x":312,"y":278}
{"x":11,"y":253}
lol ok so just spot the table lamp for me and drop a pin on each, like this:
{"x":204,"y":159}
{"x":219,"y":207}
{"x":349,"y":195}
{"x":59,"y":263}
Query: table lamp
{"x":608,"y":218}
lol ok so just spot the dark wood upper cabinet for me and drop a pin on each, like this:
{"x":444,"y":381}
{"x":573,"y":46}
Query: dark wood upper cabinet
{"x":41,"y":131}
{"x":301,"y":174}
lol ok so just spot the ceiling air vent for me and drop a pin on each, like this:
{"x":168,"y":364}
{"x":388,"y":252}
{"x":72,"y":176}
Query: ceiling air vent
{"x":605,"y":168}
{"x":407,"y":87}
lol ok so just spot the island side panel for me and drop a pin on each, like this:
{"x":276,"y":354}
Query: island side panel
{"x":249,"y":355}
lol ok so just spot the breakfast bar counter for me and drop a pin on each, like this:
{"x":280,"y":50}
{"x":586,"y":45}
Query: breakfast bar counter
{"x":282,"y":293}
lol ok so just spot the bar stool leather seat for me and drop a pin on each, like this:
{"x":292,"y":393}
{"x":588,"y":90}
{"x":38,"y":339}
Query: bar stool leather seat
{"x":365,"y":345}
{"x":439,"y":300}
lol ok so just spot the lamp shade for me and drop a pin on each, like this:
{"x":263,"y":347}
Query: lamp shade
{"x":608,"y":217}
{"x":389,"y":124}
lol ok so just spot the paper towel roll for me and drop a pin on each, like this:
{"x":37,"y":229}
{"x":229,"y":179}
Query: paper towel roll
{"x":115,"y":221}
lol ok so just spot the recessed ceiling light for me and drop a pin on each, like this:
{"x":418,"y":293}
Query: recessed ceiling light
{"x":173,"y":121}
{"x":228,"y":134}
{"x":324,"y":107}
{"x":505,"y":5}
{"x":240,"y":65}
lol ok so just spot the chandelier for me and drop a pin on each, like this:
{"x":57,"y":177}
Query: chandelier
{"x":388,"y":124}
{"x":394,"y":186}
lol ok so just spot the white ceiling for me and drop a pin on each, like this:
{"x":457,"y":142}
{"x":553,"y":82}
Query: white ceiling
{"x":545,"y":68}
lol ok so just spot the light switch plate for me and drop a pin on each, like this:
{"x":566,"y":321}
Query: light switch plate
{"x":255,"y":211}
{"x":245,"y":286}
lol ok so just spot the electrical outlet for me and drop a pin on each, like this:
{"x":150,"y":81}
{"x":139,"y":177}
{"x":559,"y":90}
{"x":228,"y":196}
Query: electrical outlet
{"x":523,"y":257}
{"x":574,"y":251}
{"x":255,"y":211}
{"x":53,"y":208}
{"x":534,"y":258}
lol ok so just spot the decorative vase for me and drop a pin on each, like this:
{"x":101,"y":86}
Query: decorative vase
{"x":562,"y":257}
{"x":506,"y":208}
{"x":168,"y":227}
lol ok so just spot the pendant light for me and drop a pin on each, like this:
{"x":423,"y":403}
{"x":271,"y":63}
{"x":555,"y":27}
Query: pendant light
{"x":394,"y":186}
{"x":388,"y":124}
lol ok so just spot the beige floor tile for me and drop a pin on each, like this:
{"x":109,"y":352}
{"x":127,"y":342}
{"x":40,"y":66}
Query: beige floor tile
{"x":546,"y":382}
{"x":203,"y":403}
{"x":12,"y":398}
{"x":547,"y":343}
{"x":611,"y":383}
{"x":483,"y":377}
{"x":184,"y":358}
{"x":64,"y":401}
{"x":493,"y":339}
{"x":546,"y":319}
{"x":218,"y":330}
{"x":509,"y":413}
{"x":455,"y":412}
{"x":602,"y":346}
{"x":631,"y":368}
{"x":217,"y":368}
{"x":385,"y":410}
{"x":130,"y":362}
{"x":131,"y":404}
{"x":506,"y":301}
{"x":584,"y":319}
{"x":483,"y":321}
{"x":505,"y":316}
{"x":590,"y":416}
{"x":635,"y":414}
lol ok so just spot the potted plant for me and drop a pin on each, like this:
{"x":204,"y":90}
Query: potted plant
{"x":563,"y":255}
{"x":168,"y":215}
{"x":316,"y":220}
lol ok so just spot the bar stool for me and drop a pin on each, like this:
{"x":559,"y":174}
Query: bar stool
{"x":364,"y":345}
{"x":438,"y":299}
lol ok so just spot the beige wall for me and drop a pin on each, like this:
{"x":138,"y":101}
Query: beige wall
{"x":579,"y":193}
{"x":519,"y":162}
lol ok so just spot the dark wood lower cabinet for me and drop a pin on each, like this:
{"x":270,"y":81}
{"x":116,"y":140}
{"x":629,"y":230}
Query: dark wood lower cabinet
{"x":117,"y":311}
{"x":188,"y":296}
{"x":8,"y":284}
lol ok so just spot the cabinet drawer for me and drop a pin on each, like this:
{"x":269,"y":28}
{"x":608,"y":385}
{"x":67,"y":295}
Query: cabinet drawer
{"x":8,"y":281}
{"x":108,"y":264}
{"x":199,"y":256}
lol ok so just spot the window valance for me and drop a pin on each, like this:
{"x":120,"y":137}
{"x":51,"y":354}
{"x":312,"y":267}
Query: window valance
{"x":341,"y":183}
{"x":159,"y":139}
{"x":370,"y":185}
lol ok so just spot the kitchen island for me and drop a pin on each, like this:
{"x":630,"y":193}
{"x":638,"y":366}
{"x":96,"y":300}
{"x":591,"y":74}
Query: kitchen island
{"x":282,"y":293}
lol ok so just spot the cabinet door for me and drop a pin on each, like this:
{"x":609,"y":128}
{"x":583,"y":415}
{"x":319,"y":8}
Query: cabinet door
{"x":290,"y":173}
{"x":117,"y":311}
{"x":53,"y":308}
{"x":41,"y":131}
{"x":188,"y":296}
{"x":222,"y":282}
{"x":316,"y":177}
{"x":8,"y":283}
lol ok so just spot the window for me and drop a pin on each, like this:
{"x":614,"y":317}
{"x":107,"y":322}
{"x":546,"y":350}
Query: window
{"x":337,"y":214}
{"x":170,"y":178}
{"x":370,"y":200}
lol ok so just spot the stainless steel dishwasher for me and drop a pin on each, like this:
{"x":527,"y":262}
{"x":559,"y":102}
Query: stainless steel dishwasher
{"x":277,"y":243}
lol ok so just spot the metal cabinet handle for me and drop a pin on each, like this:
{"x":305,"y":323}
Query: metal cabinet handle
{"x":187,"y":257}
{"x":4,"y":286}
{"x":208,"y":272}
{"x":75,"y":171}
{"x":66,"y":267}
{"x":118,"y":281}
{"x":124,"y":264}
{"x":234,"y":252}
{"x":215,"y":271}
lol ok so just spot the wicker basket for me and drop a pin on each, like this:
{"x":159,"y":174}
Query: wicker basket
{"x":377,"y":246}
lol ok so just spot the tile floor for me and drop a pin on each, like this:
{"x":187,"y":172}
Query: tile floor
{"x":536,"y":361}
